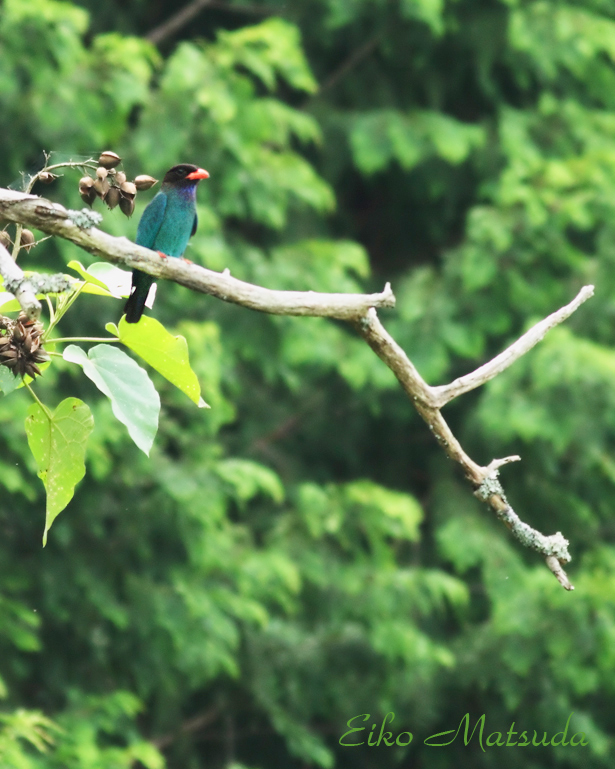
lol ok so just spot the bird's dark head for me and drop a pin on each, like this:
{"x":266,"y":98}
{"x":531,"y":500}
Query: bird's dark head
{"x":185,"y":174}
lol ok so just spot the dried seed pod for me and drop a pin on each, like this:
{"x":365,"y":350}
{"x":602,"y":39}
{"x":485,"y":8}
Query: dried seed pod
{"x":32,"y":370}
{"x":112,"y":197}
{"x":27,"y":239}
{"x":47,"y":177}
{"x":19,"y":333}
{"x":5,"y":239}
{"x":101,"y":186}
{"x":20,"y":349}
{"x":85,"y":183}
{"x":109,"y":159}
{"x":101,"y":172}
{"x":129,"y":190}
{"x":127,"y":206}
{"x":120,"y":177}
{"x":144,"y":182}
{"x":88,"y":196}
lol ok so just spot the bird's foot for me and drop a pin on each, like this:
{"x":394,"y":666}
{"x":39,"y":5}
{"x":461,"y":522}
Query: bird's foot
{"x":188,"y":261}
{"x":161,"y":255}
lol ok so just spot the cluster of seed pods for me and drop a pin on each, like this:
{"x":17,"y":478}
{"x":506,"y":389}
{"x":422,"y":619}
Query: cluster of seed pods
{"x":112,"y":186}
{"x":108,"y":184}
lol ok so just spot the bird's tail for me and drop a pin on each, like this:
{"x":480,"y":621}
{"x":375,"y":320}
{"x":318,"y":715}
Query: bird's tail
{"x":141,"y":284}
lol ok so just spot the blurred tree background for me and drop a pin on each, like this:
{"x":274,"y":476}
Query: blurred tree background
{"x":303,"y":552}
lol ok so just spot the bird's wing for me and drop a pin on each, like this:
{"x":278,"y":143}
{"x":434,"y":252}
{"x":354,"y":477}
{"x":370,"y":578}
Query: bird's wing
{"x":195,"y":225}
{"x":151,"y":221}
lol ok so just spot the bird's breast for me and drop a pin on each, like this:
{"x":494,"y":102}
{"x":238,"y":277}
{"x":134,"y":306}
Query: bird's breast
{"x":174,"y":233}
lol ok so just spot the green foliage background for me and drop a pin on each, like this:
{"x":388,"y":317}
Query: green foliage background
{"x":303,"y":553}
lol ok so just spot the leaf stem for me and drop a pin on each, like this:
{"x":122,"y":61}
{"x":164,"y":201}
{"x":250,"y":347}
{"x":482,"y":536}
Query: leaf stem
{"x":39,"y":401}
{"x":52,"y":314}
{"x":62,"y":307}
{"x":82,"y":339}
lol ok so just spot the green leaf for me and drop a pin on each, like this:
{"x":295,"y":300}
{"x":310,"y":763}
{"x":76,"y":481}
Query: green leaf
{"x":103,"y":278}
{"x":269,"y":50}
{"x":117,"y":281}
{"x":8,"y":302}
{"x":380,"y":136}
{"x":429,"y":11}
{"x":370,"y":142}
{"x":398,"y":514}
{"x":249,"y":479}
{"x":133,"y":397}
{"x":78,"y":267}
{"x":166,"y":353}
{"x":58,"y":442}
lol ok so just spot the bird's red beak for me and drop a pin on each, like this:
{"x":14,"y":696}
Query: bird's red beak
{"x":200,"y":173}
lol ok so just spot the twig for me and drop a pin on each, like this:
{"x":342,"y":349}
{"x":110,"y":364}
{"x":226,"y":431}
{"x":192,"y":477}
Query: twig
{"x":194,"y":724}
{"x":356,"y":57}
{"x":250,"y":10}
{"x":464,"y":384}
{"x":176,"y":22}
{"x":172,"y":25}
{"x":89,"y":164}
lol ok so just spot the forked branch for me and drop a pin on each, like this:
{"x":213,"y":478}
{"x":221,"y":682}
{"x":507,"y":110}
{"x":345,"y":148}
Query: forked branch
{"x":357,"y":309}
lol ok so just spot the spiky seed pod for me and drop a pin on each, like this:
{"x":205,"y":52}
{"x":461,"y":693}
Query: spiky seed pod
{"x":129,"y":190}
{"x":113,"y":197}
{"x":47,"y":177}
{"x":127,"y":206}
{"x":27,"y":239}
{"x":144,"y":182}
{"x":109,"y":159}
{"x":18,"y":333}
{"x":5,"y":239}
{"x":120,"y":177}
{"x":101,"y":186}
{"x":20,"y":348}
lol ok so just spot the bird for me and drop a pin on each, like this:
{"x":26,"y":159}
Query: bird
{"x":166,"y":226}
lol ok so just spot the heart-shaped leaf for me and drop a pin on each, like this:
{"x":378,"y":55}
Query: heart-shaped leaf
{"x":58,"y":443}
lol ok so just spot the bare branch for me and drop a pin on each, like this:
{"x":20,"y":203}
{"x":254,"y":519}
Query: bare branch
{"x":495,"y":464}
{"x":185,"y":15}
{"x":56,"y":220}
{"x":23,"y":290}
{"x":169,"y":27}
{"x":191,"y":725}
{"x":464,"y":384}
{"x":419,"y":392}
{"x":559,"y":573}
{"x":357,"y":309}
{"x":484,"y":479}
{"x":355,"y":58}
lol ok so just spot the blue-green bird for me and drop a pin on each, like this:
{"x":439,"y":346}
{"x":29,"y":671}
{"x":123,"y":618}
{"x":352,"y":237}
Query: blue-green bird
{"x":166,"y":226}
